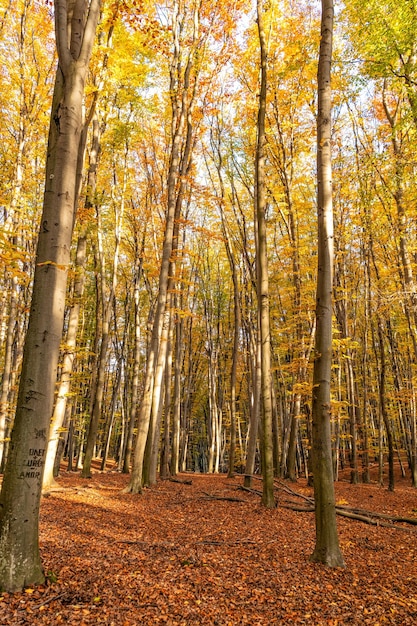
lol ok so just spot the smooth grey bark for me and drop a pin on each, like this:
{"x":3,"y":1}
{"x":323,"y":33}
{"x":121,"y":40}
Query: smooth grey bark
{"x":136,"y":354}
{"x":107,"y":304}
{"x":176,"y":404}
{"x":327,"y":548}
{"x":152,"y":444}
{"x":20,"y":563}
{"x":60,"y":409}
{"x":165,"y":453}
{"x":255,"y":369}
{"x":262,"y":278}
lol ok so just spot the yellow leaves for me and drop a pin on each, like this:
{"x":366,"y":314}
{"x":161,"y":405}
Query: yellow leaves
{"x":342,"y":502}
{"x":302,"y":388}
{"x":64,"y":268}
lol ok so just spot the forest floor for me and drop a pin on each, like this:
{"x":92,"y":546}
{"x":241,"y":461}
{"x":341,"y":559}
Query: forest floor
{"x":180,"y":555}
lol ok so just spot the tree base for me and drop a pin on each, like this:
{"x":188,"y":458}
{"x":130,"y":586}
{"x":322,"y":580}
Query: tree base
{"x":330,"y":558}
{"x":133,"y":489}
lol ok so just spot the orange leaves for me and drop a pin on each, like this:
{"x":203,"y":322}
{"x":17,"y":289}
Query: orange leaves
{"x":171,"y":557}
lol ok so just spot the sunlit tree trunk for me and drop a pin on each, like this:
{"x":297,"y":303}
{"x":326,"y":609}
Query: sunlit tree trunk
{"x":107,"y":302}
{"x":20,"y":563}
{"x":176,"y":403}
{"x":254,"y":360}
{"x":262,"y":278}
{"x":327,"y":548}
{"x":136,"y":356}
{"x":152,"y":444}
{"x":67,"y":366}
{"x":383,"y":405}
{"x":164,"y":471}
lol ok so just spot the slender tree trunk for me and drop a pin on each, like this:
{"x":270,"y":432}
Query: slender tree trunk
{"x":262,"y":278}
{"x":255,"y":403}
{"x":152,"y":444}
{"x":20,"y":563}
{"x":164,"y":471}
{"x":383,"y":407}
{"x":413,"y":443}
{"x":67,"y":366}
{"x":107,"y":312}
{"x":176,"y":404}
{"x":136,"y":359}
{"x":111,"y":416}
{"x":327,"y":548}
{"x":7,"y":371}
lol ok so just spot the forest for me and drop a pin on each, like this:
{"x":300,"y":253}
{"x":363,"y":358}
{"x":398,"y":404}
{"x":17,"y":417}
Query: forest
{"x":207,"y":254}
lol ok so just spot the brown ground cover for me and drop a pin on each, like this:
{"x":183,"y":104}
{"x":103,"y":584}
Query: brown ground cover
{"x":176,"y":556}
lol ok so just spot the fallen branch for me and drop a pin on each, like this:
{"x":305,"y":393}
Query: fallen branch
{"x":209,"y":496}
{"x":255,"y":491}
{"x":368,"y":517}
{"x":47,"y":601}
{"x":147,"y":544}
{"x":281,"y":485}
{"x":362,"y":515}
{"x":187,"y":481}
{"x":386,"y":516}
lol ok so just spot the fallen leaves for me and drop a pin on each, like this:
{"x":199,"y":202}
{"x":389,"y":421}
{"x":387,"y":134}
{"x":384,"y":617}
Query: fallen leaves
{"x":175,"y":556}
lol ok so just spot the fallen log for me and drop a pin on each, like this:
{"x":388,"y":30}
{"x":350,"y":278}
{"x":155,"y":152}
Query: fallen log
{"x":186,"y":481}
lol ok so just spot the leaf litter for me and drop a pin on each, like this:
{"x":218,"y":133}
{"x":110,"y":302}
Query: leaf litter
{"x":209,"y":554}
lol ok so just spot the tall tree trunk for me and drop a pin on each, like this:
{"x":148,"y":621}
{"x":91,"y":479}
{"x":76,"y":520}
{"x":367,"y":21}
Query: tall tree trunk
{"x":20,"y":562}
{"x":176,"y":404}
{"x":136,"y":357}
{"x":255,"y":402}
{"x":383,"y":406}
{"x":107,"y":303}
{"x":262,"y":277}
{"x":152,"y":444}
{"x":327,"y":548}
{"x":164,"y":471}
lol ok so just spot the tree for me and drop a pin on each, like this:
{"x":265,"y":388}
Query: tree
{"x":327,"y":549}
{"x":20,"y":564}
{"x":26,"y":90}
{"x":262,"y":276}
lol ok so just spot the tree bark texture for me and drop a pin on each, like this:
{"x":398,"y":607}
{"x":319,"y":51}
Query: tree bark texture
{"x":262,"y":278}
{"x":327,"y":549}
{"x":20,"y":562}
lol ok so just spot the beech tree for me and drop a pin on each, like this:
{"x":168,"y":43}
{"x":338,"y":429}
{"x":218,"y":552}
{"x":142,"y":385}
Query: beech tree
{"x":327,"y":549}
{"x":20,"y":564}
{"x":262,"y":276}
